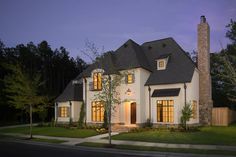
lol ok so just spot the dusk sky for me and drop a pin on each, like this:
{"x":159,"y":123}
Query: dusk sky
{"x":110,"y":23}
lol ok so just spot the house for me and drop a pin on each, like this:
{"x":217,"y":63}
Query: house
{"x":160,"y":79}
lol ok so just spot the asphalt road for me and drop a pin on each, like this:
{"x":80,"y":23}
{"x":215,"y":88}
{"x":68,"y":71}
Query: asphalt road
{"x":22,"y":148}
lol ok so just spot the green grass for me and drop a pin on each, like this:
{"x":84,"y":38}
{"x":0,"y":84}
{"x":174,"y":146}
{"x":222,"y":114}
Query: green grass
{"x":145,"y":148}
{"x":53,"y":131}
{"x":206,"y":135}
{"x":47,"y":140}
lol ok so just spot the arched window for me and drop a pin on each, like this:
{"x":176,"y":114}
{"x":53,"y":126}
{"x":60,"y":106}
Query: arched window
{"x":97,"y":81}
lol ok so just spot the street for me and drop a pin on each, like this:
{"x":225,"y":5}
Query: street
{"x":22,"y":148}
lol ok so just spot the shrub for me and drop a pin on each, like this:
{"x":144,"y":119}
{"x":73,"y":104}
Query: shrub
{"x":81,"y":117}
{"x":148,"y":124}
{"x":186,"y":115}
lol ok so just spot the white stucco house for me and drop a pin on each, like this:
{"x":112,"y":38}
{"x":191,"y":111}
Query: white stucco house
{"x":160,"y":80}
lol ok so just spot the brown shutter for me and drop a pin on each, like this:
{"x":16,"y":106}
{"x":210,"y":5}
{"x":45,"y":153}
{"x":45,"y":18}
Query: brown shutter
{"x":58,"y":111}
{"x":90,"y":86}
{"x":133,"y":78}
{"x":126,"y":78}
{"x":68,"y":111}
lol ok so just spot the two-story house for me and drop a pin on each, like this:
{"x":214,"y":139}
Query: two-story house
{"x":160,"y":79}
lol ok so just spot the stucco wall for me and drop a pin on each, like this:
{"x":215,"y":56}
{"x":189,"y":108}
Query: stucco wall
{"x":192,"y":93}
{"x":75,"y":110}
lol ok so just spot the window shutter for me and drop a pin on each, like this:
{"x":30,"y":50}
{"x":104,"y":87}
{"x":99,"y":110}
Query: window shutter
{"x":126,"y":79}
{"x":68,"y":111}
{"x":133,"y":78}
{"x":90,"y":86}
{"x":59,"y":112}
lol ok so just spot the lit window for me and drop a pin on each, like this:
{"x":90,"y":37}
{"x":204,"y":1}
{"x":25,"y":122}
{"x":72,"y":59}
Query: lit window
{"x":194,"y":109}
{"x":97,"y":111}
{"x":130,"y":78}
{"x":63,"y":112}
{"x":165,"y":111}
{"x":97,"y":81}
{"x":161,"y":64}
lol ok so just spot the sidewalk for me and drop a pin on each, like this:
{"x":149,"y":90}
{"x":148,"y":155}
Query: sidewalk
{"x":99,"y":139}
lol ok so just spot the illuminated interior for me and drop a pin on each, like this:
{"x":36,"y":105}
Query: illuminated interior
{"x":63,"y":112}
{"x":129,"y":78}
{"x":97,"y":111}
{"x":194,"y":109}
{"x":165,"y":111}
{"x":97,"y":81}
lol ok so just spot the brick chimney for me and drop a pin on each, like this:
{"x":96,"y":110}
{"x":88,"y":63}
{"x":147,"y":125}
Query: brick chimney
{"x":205,"y":96}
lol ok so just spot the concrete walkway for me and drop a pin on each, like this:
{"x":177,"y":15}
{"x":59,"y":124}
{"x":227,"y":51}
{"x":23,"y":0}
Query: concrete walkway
{"x":99,"y":139}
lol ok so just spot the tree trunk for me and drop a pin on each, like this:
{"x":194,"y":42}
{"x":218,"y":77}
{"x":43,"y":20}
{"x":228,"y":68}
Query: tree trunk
{"x":31,"y":136}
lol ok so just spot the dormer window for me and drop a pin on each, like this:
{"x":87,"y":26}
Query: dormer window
{"x":162,"y":61}
{"x":161,"y":64}
{"x":97,"y":81}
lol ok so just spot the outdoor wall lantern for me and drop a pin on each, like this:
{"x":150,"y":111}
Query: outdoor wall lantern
{"x":128,"y":92}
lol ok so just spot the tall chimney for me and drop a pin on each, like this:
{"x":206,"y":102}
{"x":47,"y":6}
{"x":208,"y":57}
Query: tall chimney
{"x":205,"y":96}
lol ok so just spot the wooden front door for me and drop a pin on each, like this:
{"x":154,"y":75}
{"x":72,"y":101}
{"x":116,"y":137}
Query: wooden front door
{"x":133,"y":113}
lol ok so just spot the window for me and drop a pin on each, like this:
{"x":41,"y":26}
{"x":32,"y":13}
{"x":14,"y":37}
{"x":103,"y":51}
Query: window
{"x":97,"y":81}
{"x":63,"y":111}
{"x":194,"y":109}
{"x":165,"y":111}
{"x":161,"y":64}
{"x":97,"y":111}
{"x":130,"y":78}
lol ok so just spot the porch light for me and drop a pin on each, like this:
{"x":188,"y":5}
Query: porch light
{"x":128,"y":92}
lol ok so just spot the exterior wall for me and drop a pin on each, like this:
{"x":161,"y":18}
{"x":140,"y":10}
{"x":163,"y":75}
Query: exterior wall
{"x":121,"y":114}
{"x":192,"y":93}
{"x":140,"y":95}
{"x":75,"y":111}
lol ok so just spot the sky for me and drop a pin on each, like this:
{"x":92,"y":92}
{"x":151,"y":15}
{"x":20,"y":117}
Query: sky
{"x":110,"y":23}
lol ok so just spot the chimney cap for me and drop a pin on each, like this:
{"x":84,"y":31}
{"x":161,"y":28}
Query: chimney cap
{"x":203,"y":19}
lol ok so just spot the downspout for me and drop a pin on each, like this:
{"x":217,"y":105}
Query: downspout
{"x":56,"y":112}
{"x":85,"y":101}
{"x":70,"y":111}
{"x":185,"y":87}
{"x":149,"y":95}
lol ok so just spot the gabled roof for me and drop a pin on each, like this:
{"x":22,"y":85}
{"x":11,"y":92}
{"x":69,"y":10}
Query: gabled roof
{"x":130,"y":55}
{"x":179,"y":68}
{"x":72,"y":92}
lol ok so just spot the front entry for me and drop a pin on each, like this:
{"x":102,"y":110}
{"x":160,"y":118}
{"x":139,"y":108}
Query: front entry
{"x":133,"y":113}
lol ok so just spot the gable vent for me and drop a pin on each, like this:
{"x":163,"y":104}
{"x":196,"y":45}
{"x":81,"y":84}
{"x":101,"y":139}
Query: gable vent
{"x":163,"y":45}
{"x":125,"y":45}
{"x":149,"y":47}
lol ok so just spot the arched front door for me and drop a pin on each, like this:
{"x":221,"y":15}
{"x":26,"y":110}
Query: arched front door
{"x":133,"y":113}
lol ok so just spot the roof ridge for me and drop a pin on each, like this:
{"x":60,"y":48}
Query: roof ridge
{"x":156,"y":40}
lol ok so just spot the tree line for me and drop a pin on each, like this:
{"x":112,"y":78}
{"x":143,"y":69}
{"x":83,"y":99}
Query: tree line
{"x":55,"y":68}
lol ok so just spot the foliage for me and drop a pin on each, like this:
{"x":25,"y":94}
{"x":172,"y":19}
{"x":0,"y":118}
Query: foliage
{"x":81,"y":116}
{"x":148,"y":123}
{"x":56,"y":68}
{"x":22,"y":91}
{"x":186,"y":115}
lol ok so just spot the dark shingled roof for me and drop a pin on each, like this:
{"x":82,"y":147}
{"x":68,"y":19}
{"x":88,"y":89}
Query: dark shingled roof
{"x":166,"y":92}
{"x":72,"y":92}
{"x":179,"y":68}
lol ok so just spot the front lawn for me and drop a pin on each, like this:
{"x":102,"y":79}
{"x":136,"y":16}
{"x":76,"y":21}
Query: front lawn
{"x":52,"y":131}
{"x":206,"y":135}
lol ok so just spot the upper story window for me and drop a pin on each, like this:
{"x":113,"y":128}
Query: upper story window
{"x":162,"y":61}
{"x":130,"y":78}
{"x":97,"y":81}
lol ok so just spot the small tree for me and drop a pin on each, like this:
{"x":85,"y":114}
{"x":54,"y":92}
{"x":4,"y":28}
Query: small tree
{"x":81,"y":116}
{"x":186,"y":115}
{"x":22,"y":91}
